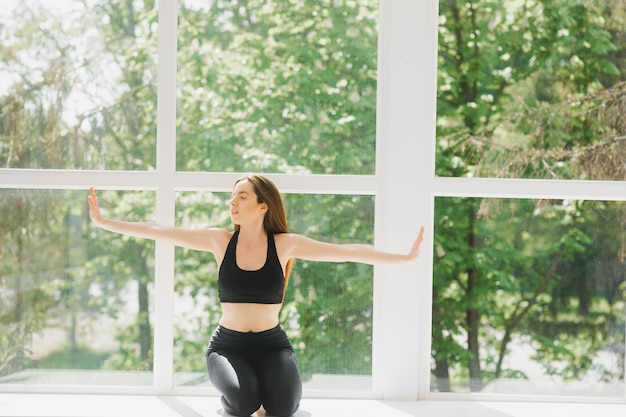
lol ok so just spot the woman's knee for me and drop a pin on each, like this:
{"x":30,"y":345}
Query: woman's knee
{"x":240,"y":407}
{"x":237,"y":382}
{"x":281,"y":384}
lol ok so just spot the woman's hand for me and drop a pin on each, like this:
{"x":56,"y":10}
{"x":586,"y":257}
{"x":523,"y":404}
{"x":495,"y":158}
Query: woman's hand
{"x":94,"y":207}
{"x":415,"y":249}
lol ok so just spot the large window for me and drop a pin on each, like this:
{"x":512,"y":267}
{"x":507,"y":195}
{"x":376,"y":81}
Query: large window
{"x":529,"y":276}
{"x":281,"y":87}
{"x":496,"y":124}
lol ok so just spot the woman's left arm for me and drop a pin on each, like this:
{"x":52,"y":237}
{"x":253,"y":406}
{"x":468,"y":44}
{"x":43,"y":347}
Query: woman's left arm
{"x":302,"y":247}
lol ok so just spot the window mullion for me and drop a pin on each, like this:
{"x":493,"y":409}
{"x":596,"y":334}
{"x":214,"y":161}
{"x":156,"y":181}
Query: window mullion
{"x":405,"y":157}
{"x":166,"y":167}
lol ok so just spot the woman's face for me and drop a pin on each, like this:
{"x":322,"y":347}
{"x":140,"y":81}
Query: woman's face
{"x":244,"y":207}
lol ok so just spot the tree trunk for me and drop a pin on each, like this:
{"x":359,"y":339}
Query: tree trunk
{"x":475,"y":374}
{"x":143,"y":319}
{"x":145,"y":332}
{"x":472,"y":314}
{"x":441,"y":362}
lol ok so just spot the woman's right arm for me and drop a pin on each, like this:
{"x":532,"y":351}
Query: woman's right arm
{"x":210,"y":240}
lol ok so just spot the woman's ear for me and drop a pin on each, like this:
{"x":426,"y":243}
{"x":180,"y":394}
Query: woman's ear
{"x":263,"y":208}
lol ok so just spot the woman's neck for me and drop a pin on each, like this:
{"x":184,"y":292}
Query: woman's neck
{"x":252,"y":233}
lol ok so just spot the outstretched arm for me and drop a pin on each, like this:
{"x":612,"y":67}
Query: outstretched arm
{"x":202,"y":239}
{"x":302,"y":247}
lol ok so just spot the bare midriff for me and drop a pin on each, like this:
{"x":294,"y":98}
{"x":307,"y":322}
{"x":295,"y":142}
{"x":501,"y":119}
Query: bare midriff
{"x":249,"y":317}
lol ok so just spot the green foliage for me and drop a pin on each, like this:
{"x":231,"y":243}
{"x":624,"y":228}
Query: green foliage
{"x":31,"y":271}
{"x":517,"y":79}
{"x":328,"y":307}
{"x":69,"y":358}
{"x":14,"y":339}
{"x":278,"y":86}
{"x":84,"y":102}
{"x":520,"y":88}
{"x":128,"y":356}
{"x":539,"y":272}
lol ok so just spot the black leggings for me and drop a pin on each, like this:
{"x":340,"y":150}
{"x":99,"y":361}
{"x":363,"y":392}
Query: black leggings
{"x":254,"y":369}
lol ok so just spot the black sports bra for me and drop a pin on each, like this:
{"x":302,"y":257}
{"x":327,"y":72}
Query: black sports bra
{"x":263,"y":286}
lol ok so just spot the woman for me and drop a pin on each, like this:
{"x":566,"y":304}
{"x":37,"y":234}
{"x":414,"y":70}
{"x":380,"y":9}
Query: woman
{"x":250,"y":359}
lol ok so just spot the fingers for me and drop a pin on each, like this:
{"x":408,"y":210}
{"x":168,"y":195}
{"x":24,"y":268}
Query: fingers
{"x":94,"y":209}
{"x":418,"y":243}
{"x":420,"y":237}
{"x":93,"y":198}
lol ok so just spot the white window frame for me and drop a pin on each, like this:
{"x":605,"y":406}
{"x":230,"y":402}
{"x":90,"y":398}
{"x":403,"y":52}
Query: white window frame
{"x":404,"y":185}
{"x":432,"y":187}
{"x":403,"y":152}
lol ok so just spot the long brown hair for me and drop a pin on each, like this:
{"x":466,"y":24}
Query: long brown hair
{"x":275,"y":220}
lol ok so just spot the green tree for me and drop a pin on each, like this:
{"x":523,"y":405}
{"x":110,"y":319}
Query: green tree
{"x":278,"y":86}
{"x":26,"y":292}
{"x":519,"y":89}
{"x":328,"y":306}
{"x":74,"y":100}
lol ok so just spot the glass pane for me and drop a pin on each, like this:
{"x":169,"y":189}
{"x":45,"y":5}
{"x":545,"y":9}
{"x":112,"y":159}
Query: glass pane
{"x":76,"y":301}
{"x":277,"y":86}
{"x":531,"y":89}
{"x":528,"y":297}
{"x":328,"y":307}
{"x":78,"y":84}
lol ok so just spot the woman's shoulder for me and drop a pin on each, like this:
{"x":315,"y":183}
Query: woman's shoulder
{"x":286,"y":237}
{"x":216,"y":240}
{"x":288,"y":243}
{"x":212,"y":239}
{"x":218,"y":233}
